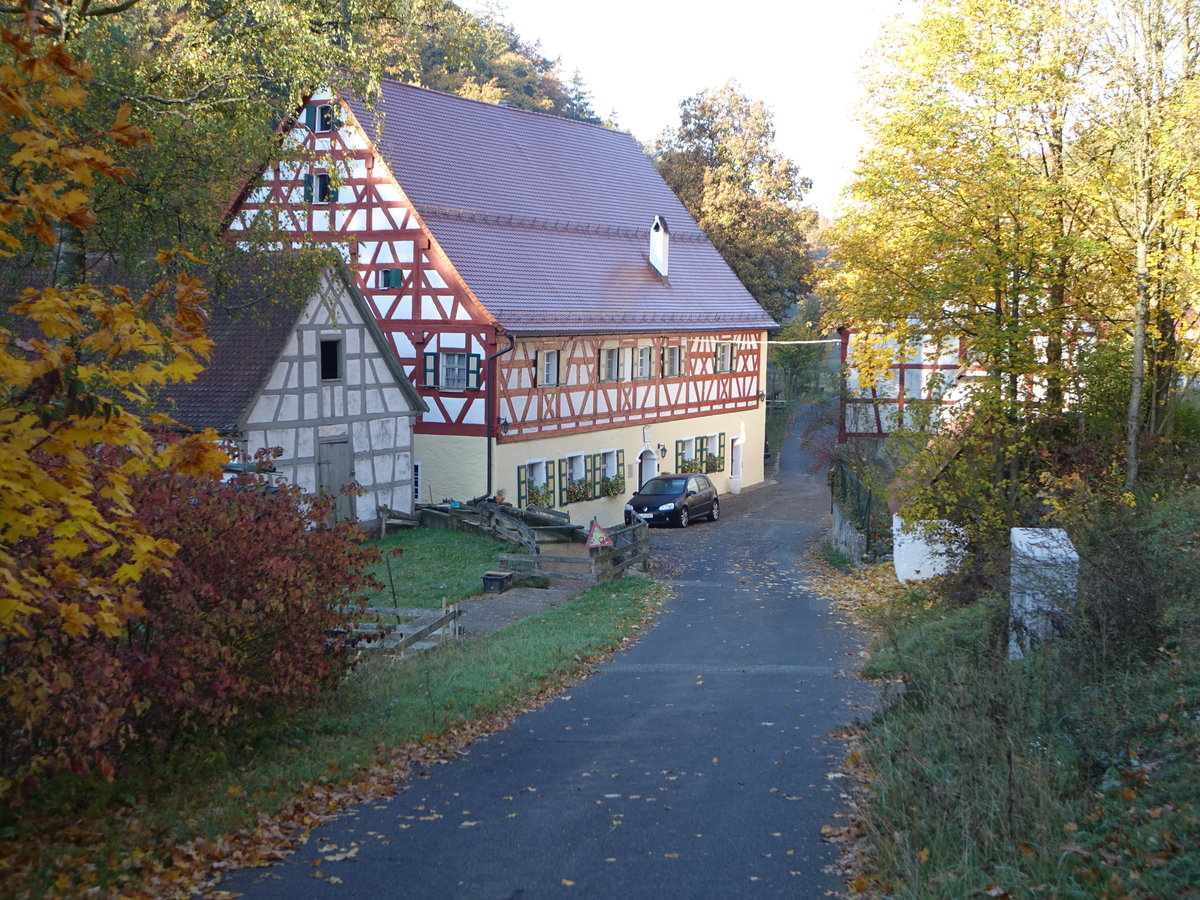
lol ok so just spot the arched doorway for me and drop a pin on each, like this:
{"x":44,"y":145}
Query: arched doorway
{"x":647,"y":466}
{"x":735,"y":465}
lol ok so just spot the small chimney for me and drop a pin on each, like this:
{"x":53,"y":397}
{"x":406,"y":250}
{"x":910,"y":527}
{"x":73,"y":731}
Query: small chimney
{"x":660,"y":240}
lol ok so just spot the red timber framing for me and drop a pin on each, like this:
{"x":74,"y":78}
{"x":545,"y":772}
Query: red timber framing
{"x":878,"y":410}
{"x":335,"y":191}
{"x":420,"y":302}
{"x":605,"y":381}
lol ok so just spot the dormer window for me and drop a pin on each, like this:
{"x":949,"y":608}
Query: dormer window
{"x":660,"y":238}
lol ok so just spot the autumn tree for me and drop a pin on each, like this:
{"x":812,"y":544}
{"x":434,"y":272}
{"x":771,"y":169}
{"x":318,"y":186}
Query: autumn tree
{"x":965,"y":222}
{"x":747,"y":197}
{"x":212,"y":82}
{"x":1140,"y":143}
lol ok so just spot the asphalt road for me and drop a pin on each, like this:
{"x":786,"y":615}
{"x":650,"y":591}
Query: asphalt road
{"x":698,"y":763}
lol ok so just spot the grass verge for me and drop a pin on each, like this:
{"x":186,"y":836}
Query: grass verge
{"x":161,"y":831}
{"x":1037,"y":778}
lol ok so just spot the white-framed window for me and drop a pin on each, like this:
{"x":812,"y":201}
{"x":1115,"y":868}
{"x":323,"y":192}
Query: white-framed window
{"x":535,"y":472}
{"x":610,"y":364}
{"x":331,"y":358}
{"x":451,"y":370}
{"x":724,"y":356}
{"x":644,"y":362}
{"x":608,"y":464}
{"x":319,"y":189}
{"x":454,"y":371}
{"x":321,"y":118}
{"x":547,"y":368}
{"x":687,"y":449}
{"x":672,"y":362}
{"x":391,"y":278}
{"x":324,"y":118}
{"x":575,"y":468}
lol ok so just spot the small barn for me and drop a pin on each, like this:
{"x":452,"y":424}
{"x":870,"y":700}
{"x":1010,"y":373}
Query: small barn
{"x":316,"y":378}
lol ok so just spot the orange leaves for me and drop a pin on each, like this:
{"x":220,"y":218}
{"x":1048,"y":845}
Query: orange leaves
{"x":51,"y":168}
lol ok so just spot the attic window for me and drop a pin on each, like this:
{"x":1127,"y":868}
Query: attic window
{"x":317,"y":189}
{"x":331,"y":359}
{"x":324,"y":118}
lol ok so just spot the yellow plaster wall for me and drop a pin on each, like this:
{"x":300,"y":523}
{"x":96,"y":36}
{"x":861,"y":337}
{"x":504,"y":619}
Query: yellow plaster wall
{"x":453,"y":467}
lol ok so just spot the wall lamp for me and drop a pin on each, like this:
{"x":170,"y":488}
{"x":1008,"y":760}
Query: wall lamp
{"x":504,"y":426}
{"x":662,"y":450}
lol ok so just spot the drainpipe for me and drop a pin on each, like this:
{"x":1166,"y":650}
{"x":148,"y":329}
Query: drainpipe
{"x":489,"y":409}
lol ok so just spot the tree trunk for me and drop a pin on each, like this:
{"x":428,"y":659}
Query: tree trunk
{"x":1133,"y":419}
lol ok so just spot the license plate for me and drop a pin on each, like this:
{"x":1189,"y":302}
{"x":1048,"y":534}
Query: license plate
{"x":643,"y":515}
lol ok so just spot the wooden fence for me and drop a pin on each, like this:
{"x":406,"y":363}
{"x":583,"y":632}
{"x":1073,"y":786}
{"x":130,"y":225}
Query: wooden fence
{"x":631,"y":547}
{"x":423,"y":630}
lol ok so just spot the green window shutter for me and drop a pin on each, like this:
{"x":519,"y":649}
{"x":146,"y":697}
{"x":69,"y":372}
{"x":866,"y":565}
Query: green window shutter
{"x":717,"y":357}
{"x":473,"y":366}
{"x":333,"y":193}
{"x":679,"y":456}
{"x":562,"y":482}
{"x":701,"y":446}
{"x":721,"y":450}
{"x":589,"y":473}
{"x":429,"y":376}
{"x":621,"y":463}
{"x":310,"y":118}
{"x":522,"y":486}
{"x":537,"y":368}
{"x":733,"y":352}
{"x":620,"y":364}
{"x":335,"y":111}
{"x":308,"y":186}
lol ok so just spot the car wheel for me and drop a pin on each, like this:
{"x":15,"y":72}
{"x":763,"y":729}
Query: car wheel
{"x":683,"y":517}
{"x":716,"y":510}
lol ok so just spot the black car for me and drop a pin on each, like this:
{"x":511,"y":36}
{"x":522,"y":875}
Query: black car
{"x":674,"y":499}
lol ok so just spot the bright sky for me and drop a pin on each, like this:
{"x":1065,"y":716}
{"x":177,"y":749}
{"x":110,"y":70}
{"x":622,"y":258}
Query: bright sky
{"x":641,"y":58}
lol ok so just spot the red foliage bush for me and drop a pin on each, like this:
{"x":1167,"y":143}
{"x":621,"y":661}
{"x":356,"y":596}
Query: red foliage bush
{"x":249,"y":621}
{"x":251,"y":618}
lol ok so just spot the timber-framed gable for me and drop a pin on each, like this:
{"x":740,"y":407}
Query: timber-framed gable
{"x":421,"y":303}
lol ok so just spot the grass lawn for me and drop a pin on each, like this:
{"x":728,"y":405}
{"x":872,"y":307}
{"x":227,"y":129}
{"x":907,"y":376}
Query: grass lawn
{"x":159,"y":829}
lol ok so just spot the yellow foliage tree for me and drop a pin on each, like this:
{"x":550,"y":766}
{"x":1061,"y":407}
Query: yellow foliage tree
{"x":74,"y":364}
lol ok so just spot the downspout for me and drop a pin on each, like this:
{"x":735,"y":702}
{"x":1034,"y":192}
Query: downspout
{"x":489,"y":408}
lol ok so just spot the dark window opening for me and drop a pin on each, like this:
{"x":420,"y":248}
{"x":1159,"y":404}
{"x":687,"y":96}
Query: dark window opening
{"x":322,"y":192}
{"x":331,"y":359}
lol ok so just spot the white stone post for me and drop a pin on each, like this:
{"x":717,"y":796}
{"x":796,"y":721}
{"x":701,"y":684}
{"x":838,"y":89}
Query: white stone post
{"x":1043,"y":586}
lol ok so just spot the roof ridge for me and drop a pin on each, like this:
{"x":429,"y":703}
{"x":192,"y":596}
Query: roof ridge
{"x":461,"y":214}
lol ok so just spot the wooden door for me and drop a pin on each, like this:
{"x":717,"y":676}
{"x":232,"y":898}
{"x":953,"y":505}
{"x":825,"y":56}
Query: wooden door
{"x":335,"y":469}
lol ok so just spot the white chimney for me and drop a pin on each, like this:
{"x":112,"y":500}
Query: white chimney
{"x":660,"y":240}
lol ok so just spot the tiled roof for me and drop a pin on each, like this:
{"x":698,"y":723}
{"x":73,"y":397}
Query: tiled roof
{"x":245,"y":347}
{"x":548,"y":220}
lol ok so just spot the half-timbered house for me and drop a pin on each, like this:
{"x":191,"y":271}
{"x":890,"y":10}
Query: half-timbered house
{"x":315,"y":378}
{"x":569,"y":326}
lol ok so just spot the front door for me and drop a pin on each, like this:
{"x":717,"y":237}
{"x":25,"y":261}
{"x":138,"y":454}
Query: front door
{"x":647,"y":466}
{"x":335,"y":469}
